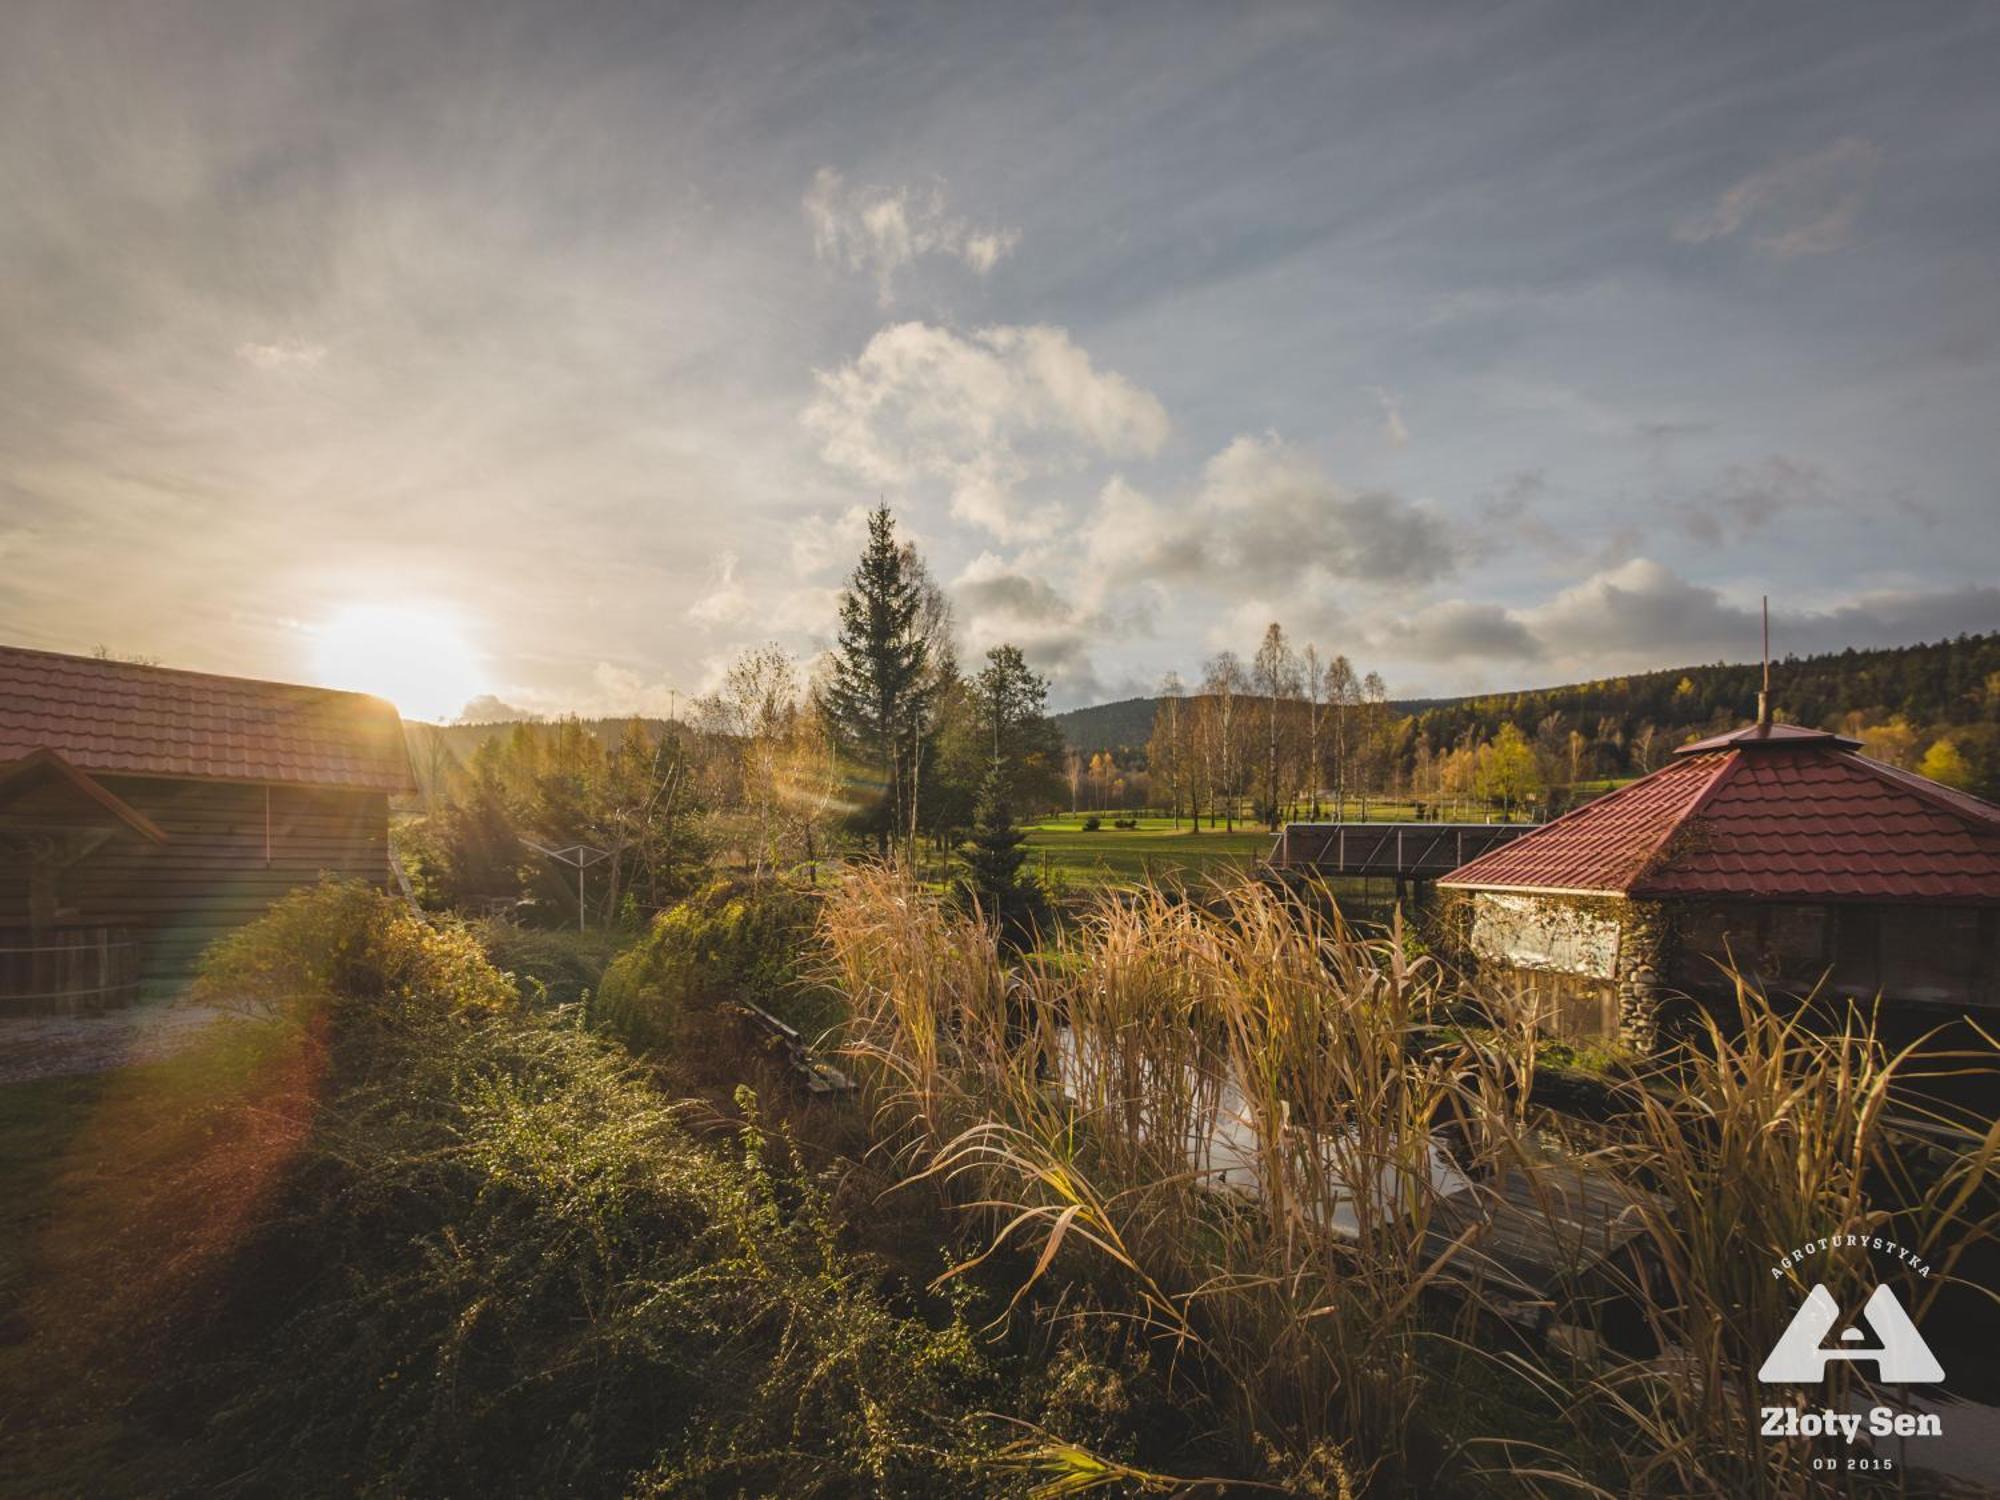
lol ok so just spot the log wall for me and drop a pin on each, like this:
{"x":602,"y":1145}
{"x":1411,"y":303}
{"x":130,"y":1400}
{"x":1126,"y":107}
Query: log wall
{"x":223,"y":863}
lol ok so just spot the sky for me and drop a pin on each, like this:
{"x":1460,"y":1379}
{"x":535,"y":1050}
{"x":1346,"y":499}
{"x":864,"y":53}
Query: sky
{"x":550,"y":355}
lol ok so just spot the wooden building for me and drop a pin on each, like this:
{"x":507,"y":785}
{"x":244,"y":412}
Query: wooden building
{"x":145,"y":812}
{"x":1776,"y":850}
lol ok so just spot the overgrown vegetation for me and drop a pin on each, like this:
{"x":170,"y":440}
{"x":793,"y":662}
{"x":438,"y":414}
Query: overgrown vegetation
{"x":732,"y":940}
{"x":1184,"y":1194}
{"x":1233,"y":1124}
{"x":482,"y":1255}
{"x":1186,"y":1184}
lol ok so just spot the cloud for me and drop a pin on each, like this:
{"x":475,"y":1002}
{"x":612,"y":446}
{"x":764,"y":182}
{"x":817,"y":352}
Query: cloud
{"x":617,"y":691}
{"x":1461,"y":630}
{"x":987,"y":592}
{"x":489,"y":709}
{"x":999,"y":602}
{"x":1642,"y":615}
{"x":881,"y":230}
{"x":982,"y":414}
{"x":1748,"y":497}
{"x":283,"y":355}
{"x":1891,"y":617}
{"x":1395,"y":432}
{"x":1799,"y":205}
{"x":819,"y":543}
{"x":727,"y":601}
{"x":1640,"y":607}
{"x":1266,"y":512}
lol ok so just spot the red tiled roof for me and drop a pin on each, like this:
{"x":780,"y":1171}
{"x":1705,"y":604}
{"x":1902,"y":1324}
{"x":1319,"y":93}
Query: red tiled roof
{"x":121,"y":718}
{"x":1781,"y":817}
{"x":1604,"y":845}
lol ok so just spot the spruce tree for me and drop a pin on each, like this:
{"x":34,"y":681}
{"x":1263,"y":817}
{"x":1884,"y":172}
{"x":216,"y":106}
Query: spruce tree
{"x":1010,"y":698}
{"x":993,"y":857}
{"x":874,"y":698}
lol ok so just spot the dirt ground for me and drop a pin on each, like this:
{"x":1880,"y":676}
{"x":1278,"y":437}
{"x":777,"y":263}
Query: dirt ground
{"x":54,"y":1046}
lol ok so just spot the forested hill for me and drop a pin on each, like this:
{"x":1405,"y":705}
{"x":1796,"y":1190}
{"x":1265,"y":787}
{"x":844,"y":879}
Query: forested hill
{"x":463,"y":739}
{"x":1945,"y":682}
{"x":1128,"y":723}
{"x":1124,"y":725}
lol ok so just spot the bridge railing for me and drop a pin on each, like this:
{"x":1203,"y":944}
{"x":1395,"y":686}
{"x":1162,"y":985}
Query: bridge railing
{"x":1422,"y":851}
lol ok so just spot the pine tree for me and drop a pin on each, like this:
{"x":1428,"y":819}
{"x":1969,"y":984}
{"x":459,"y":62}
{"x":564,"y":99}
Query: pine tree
{"x":1011,"y":700}
{"x":875,"y":695}
{"x":993,"y":858}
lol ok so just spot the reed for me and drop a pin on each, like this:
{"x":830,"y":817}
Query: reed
{"x":1231,"y":1121}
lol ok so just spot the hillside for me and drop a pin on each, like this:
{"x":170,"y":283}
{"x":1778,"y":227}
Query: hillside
{"x":1943,"y":682}
{"x":463,"y":739}
{"x":1124,"y":725}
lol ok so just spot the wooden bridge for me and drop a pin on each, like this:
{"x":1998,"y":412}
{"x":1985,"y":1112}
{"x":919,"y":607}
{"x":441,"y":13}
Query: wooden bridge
{"x":1404,"y":851}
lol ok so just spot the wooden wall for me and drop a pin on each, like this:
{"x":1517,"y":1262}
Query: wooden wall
{"x":213,"y":874}
{"x":1569,"y":1007}
{"x":1921,"y":954}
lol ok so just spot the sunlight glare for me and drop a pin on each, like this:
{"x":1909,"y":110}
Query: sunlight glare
{"x":416,"y":656}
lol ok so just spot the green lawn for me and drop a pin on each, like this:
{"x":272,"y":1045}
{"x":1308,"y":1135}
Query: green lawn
{"x":1154,"y":849}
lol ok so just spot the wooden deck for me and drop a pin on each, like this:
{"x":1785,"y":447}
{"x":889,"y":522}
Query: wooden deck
{"x":1529,"y":1236}
{"x":1404,"y":851}
{"x":1523,"y":1239}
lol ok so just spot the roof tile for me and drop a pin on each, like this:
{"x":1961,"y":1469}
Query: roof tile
{"x":121,"y":716}
{"x":1795,"y":816}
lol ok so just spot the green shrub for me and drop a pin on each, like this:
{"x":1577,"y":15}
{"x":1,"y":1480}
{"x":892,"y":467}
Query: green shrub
{"x":1092,"y":823}
{"x":492,"y":1260}
{"x":502,"y":1266}
{"x":345,"y":940}
{"x":551,"y":967}
{"x":731,"y":940}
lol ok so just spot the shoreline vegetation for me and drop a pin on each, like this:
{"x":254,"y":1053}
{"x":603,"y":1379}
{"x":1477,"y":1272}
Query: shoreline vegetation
{"x":417,"y":1224}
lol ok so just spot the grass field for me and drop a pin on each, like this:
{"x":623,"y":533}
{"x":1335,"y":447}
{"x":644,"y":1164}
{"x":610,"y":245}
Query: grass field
{"x":1156,"y":848}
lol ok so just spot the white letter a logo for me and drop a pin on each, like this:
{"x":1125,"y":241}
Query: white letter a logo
{"x":1900,"y":1354}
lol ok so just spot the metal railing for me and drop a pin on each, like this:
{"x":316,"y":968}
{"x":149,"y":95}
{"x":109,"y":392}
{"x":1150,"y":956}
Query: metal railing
{"x":1419,"y":850}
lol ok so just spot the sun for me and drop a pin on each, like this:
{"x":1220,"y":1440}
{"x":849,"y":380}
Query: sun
{"x":416,"y":656}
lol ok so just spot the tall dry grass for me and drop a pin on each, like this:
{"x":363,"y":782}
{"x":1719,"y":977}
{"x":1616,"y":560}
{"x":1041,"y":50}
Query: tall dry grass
{"x":1235,"y":1123}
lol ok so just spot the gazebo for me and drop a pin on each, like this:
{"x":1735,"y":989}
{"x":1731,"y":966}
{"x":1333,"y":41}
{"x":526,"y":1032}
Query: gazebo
{"x":1776,"y":852}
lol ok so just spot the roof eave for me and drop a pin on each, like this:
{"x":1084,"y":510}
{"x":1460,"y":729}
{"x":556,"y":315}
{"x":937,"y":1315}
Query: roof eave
{"x":1534,"y":890}
{"x":87,"y":786}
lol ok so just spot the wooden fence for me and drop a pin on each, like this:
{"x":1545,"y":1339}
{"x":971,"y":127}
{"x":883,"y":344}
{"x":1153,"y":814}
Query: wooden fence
{"x":83,"y":967}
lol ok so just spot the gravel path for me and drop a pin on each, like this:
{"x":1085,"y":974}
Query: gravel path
{"x":53,"y":1046}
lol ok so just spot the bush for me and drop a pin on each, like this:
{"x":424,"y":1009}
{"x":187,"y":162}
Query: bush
{"x":730,"y":940}
{"x":344,"y":940}
{"x":1124,"y":822}
{"x":1092,"y":823}
{"x":500,"y":1265}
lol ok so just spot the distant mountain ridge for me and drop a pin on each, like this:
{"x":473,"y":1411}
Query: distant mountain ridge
{"x":1955,"y":681}
{"x":1128,"y":723}
{"x":1951,"y":681}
